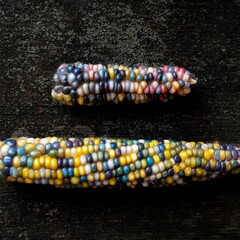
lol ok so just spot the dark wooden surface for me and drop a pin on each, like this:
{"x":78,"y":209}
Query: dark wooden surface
{"x":203,"y":36}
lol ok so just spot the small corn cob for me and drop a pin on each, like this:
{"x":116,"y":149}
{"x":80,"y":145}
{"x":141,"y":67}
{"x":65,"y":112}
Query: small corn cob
{"x":88,"y":84}
{"x":96,"y":162}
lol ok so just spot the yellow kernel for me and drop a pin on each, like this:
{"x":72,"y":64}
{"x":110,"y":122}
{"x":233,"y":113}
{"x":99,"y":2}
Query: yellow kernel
{"x":112,"y":153}
{"x":183,"y":155}
{"x":76,"y":172}
{"x":25,"y":172}
{"x":122,"y":160}
{"x":142,"y":173}
{"x":102,"y":176}
{"x":82,"y":170}
{"x":85,"y":185}
{"x":182,"y":165}
{"x":131,"y":176}
{"x":75,"y":180}
{"x":90,"y":149}
{"x":36,"y":164}
{"x":111,"y":73}
{"x":99,"y":166}
{"x":143,"y":163}
{"x":128,"y":159}
{"x":167,"y":154}
{"x":216,"y":146}
{"x":169,"y":180}
{"x":189,"y":152}
{"x":84,"y":150}
{"x":176,"y":169}
{"x":11,"y":179}
{"x":47,"y":173}
{"x":97,"y":141}
{"x":76,"y":161}
{"x":42,"y":161}
{"x":68,"y":153}
{"x":134,"y":157}
{"x":54,"y":163}
{"x":156,"y":158}
{"x":151,"y":151}
{"x":188,"y":171}
{"x":188,"y":162}
{"x":29,"y":147}
{"x":228,"y":166}
{"x":16,"y":161}
{"x":193,"y":144}
{"x":112,"y":181}
{"x":155,"y":143}
{"x":222,"y":155}
{"x":37,"y":174}
{"x":47,"y":162}
{"x":207,"y":155}
{"x":151,"y":144}
{"x":80,"y":100}
{"x":28,"y":180}
{"x":63,"y":144}
{"x":199,"y":172}
{"x":58,"y":182}
{"x":167,"y":146}
{"x":213,"y":163}
{"x":79,"y":151}
{"x":31,"y":174}
{"x":137,"y":174}
{"x":54,"y":174}
{"x":59,"y":174}
{"x":193,"y":162}
{"x":51,"y":182}
{"x":211,"y":151}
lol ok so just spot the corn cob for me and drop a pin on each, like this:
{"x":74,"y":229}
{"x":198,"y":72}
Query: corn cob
{"x":88,"y":84}
{"x":95,"y":162}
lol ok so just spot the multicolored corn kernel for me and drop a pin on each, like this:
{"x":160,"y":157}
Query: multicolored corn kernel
{"x":89,"y":84}
{"x":98,"y":162}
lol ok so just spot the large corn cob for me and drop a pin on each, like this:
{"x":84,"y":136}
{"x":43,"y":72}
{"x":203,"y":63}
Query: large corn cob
{"x":95,"y":162}
{"x":88,"y":84}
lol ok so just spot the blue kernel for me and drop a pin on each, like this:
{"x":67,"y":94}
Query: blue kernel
{"x":113,"y":145}
{"x":150,"y":161}
{"x":70,"y":172}
{"x":126,"y":169}
{"x":140,"y":155}
{"x":21,"y":151}
{"x":161,"y":147}
{"x":108,"y":174}
{"x":116,"y":162}
{"x":177,"y":159}
{"x":105,"y":166}
{"x":83,"y":179}
{"x":30,"y":162}
{"x":218,"y":166}
{"x":23,"y":161}
{"x":7,"y":161}
{"x":65,"y":172}
{"x":124,"y":178}
{"x":11,"y":142}
{"x":216,"y":154}
{"x":12,"y":151}
{"x":93,"y":167}
{"x":13,"y":172}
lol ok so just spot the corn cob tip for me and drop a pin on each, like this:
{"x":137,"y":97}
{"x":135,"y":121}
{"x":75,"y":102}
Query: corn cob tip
{"x":193,"y":81}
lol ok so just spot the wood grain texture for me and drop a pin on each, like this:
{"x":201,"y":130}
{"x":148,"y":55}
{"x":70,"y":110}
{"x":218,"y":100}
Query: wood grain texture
{"x":201,"y":35}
